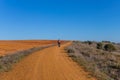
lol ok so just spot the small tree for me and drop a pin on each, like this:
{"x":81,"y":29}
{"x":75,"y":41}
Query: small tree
{"x":99,"y":45}
{"x":109,"y":47}
{"x":88,"y":42}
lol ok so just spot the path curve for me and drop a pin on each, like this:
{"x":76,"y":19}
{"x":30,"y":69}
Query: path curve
{"x":48,"y":64}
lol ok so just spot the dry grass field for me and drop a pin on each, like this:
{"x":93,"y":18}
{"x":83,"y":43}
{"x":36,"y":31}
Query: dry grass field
{"x":9,"y":47}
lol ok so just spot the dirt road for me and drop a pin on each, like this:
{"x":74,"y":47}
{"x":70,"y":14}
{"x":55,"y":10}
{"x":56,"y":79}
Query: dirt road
{"x":48,"y":64}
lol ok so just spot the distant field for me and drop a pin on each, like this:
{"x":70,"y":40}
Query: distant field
{"x":9,"y":47}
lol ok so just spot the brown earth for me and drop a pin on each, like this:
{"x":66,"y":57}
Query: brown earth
{"x":9,"y":47}
{"x":48,"y":64}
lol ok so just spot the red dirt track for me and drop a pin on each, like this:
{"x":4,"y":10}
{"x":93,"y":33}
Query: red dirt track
{"x":48,"y":64}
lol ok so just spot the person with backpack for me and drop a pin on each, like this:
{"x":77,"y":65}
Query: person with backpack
{"x":59,"y":43}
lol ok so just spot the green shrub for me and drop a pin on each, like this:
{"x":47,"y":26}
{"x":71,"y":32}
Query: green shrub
{"x":109,"y":47}
{"x":106,"y":41}
{"x":88,"y":42}
{"x":0,"y":67}
{"x":99,"y":45}
{"x":72,"y":55}
{"x":70,"y":50}
{"x":115,"y":66}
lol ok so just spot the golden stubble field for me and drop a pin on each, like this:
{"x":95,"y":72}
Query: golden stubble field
{"x":9,"y":47}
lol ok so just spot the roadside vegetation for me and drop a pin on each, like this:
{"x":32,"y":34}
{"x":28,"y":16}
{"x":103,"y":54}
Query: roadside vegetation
{"x":100,"y":59}
{"x":7,"y":61}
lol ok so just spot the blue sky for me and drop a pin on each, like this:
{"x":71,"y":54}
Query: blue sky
{"x":65,"y":19}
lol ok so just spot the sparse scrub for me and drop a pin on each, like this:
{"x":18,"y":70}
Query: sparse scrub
{"x":103,"y":64}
